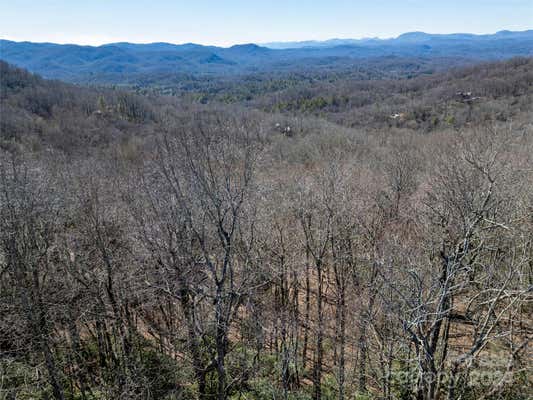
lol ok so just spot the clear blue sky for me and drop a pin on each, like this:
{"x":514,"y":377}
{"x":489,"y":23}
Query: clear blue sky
{"x":226,"y":22}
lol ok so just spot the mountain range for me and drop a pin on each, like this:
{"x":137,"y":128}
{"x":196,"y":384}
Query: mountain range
{"x":404,"y":38}
{"x":116,"y":62}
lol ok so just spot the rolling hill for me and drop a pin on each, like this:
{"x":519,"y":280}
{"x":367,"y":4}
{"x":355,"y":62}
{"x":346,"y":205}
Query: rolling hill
{"x":119,"y":62}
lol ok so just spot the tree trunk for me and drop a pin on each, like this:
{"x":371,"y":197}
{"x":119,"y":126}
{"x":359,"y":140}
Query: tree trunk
{"x":317,"y":370}
{"x":307,"y":309}
{"x":342,"y":342}
{"x":221,"y":339}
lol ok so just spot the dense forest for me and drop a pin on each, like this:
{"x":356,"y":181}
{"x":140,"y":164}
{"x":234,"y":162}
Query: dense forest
{"x":118,"y":63}
{"x":352,"y":234}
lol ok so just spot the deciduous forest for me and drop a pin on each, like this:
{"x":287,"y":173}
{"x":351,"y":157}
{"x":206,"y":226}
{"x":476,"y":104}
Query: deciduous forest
{"x":314,"y":235}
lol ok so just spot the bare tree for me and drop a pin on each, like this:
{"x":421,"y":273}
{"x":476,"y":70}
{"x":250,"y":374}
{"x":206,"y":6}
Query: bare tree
{"x":204,"y":231}
{"x":29,"y":213}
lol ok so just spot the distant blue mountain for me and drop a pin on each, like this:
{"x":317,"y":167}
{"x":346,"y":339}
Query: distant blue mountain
{"x":115,"y":62}
{"x":411,"y":37}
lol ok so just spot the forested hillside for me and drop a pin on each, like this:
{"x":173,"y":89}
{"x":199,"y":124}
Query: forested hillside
{"x":128,"y":63}
{"x":366,"y":234}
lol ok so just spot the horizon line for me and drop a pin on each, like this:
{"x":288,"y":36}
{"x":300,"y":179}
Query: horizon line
{"x":261,"y":43}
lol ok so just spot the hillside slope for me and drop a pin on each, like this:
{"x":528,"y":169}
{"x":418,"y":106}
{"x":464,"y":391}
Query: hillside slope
{"x":40,"y":112}
{"x":123,"y":62}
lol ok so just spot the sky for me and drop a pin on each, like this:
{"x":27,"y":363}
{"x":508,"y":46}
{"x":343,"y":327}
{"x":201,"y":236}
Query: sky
{"x":228,"y":22}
